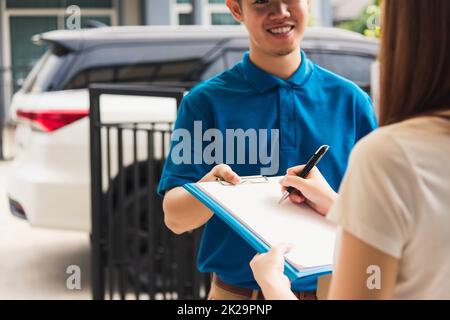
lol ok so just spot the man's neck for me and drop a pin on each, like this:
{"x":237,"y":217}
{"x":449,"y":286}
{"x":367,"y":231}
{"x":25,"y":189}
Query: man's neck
{"x":281,"y":66}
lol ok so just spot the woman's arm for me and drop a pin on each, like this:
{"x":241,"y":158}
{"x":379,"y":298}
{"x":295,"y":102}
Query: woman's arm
{"x":362,"y":272}
{"x":268,"y":272}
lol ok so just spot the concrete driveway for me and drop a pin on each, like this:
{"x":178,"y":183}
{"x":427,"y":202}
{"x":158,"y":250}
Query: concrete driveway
{"x":34,"y":262}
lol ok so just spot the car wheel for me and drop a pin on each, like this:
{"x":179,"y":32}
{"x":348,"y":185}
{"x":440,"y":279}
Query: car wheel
{"x":143,"y":255}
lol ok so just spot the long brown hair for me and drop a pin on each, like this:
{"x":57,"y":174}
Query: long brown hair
{"x":415,"y":59}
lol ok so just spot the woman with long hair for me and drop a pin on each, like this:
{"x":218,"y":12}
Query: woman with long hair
{"x":393,"y":207}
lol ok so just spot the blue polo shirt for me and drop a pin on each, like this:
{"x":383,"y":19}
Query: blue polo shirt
{"x":312,"y":108}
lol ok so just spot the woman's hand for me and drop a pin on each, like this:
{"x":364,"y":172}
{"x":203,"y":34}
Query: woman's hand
{"x":268,"y":270}
{"x":314,"y":190}
{"x":222,"y":172}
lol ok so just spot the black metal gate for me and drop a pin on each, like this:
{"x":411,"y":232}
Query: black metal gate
{"x":133,"y":253}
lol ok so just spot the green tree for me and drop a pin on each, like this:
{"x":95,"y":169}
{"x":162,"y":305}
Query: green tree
{"x":368,"y":22}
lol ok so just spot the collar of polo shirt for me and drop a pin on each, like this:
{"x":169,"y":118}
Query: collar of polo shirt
{"x":263,"y":81}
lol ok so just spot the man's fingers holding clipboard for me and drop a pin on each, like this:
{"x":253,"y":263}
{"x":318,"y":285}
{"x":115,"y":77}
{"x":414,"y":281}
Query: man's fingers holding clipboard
{"x":283,"y":248}
{"x":222,"y":172}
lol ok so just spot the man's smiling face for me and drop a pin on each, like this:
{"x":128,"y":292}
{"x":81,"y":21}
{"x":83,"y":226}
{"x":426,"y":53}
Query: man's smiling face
{"x":276,"y":27}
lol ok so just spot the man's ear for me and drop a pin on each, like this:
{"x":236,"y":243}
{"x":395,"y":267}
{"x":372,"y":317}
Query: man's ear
{"x":235,"y":9}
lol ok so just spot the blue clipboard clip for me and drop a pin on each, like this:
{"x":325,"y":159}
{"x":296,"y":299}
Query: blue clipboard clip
{"x":246,"y":180}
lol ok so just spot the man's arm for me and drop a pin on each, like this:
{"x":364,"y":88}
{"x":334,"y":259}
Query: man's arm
{"x":183,"y":212}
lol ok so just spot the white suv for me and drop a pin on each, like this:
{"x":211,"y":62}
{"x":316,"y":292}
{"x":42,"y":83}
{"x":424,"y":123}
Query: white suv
{"x":50,"y":179}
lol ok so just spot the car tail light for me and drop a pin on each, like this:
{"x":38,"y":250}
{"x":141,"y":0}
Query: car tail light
{"x":49,"y":121}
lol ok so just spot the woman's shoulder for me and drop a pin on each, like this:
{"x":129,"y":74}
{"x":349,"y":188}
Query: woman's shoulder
{"x":403,"y":145}
{"x":404,"y":135}
{"x":377,"y":145}
{"x":384,"y":153}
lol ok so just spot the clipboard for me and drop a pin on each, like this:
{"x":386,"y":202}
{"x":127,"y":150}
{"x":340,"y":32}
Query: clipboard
{"x":220,"y":197}
{"x":246,"y":180}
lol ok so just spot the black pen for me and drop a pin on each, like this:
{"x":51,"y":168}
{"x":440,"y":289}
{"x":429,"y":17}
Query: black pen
{"x":309,"y":165}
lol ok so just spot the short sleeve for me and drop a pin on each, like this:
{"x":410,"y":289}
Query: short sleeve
{"x":376,"y":198}
{"x":180,"y":166}
{"x":366,"y":120}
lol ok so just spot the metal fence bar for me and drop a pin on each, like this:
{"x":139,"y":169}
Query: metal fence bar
{"x":98,"y":281}
{"x":121,"y":225}
{"x":110,"y":234}
{"x":168,"y":248}
{"x":136,"y":215}
{"x":151,"y":214}
{"x":129,"y":238}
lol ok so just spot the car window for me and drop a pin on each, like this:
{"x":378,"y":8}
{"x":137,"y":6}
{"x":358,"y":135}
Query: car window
{"x":214,"y":68}
{"x":31,"y":78}
{"x":41,"y":76}
{"x":233,"y":56}
{"x":161,"y":59}
{"x":314,"y":57}
{"x":176,"y":71}
{"x":136,"y":73}
{"x":353,"y":67}
{"x":129,"y":66}
{"x":167,"y":71}
{"x":223,"y":62}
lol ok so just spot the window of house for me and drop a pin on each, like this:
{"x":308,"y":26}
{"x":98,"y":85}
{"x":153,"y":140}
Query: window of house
{"x":215,"y":13}
{"x":184,"y":12}
{"x":24,"y":23}
{"x":222,"y":19}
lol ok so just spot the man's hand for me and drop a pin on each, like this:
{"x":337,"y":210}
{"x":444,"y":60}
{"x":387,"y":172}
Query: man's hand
{"x":223,"y":172}
{"x":183,"y":212}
